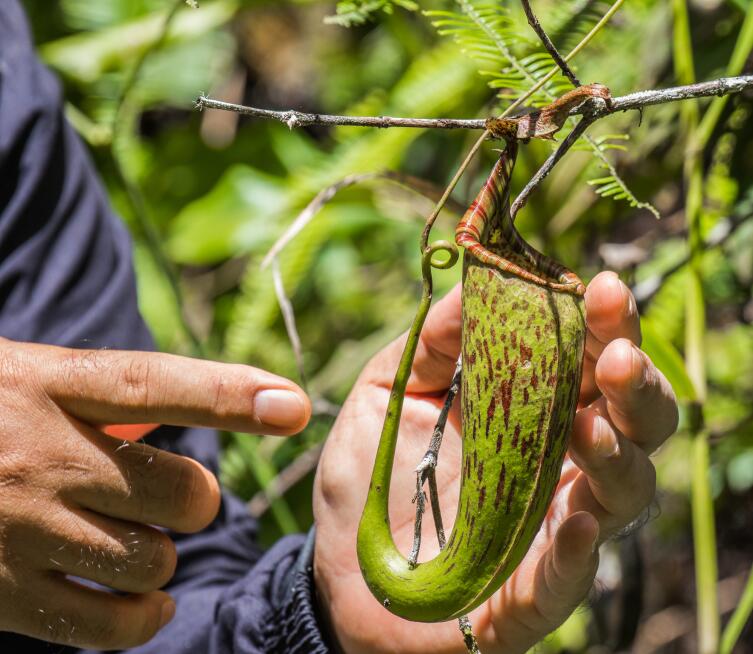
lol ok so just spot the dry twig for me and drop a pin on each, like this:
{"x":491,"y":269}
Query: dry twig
{"x":629,"y":102}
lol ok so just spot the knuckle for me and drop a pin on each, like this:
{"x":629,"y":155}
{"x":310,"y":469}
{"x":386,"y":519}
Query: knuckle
{"x":17,"y":369}
{"x":76,"y":364}
{"x":15,"y":471}
{"x":137,"y":382}
{"x":11,"y":364}
{"x":641,"y":489}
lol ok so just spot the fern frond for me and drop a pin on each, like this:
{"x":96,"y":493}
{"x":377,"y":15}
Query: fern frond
{"x":359,"y":12}
{"x":508,"y":57}
{"x":612,"y":185}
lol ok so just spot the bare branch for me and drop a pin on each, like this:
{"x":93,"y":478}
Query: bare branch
{"x":288,"y":316}
{"x":632,"y":101}
{"x":544,"y":37}
{"x":293,"y":118}
{"x":426,"y":472}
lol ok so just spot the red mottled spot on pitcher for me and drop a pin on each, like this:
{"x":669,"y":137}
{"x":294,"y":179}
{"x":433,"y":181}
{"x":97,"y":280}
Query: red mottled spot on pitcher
{"x":500,"y":486}
{"x":511,"y":494}
{"x":489,"y":362}
{"x":481,"y":497}
{"x":525,"y":352}
{"x":491,"y":409}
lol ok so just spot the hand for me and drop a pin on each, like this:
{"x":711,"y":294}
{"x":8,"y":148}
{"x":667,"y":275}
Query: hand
{"x":627,"y":409}
{"x":76,"y":502}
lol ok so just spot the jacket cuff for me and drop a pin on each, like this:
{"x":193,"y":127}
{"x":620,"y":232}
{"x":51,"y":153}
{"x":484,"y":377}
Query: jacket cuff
{"x":273,"y":609}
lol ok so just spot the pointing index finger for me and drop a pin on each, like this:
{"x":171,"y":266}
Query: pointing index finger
{"x":109,"y":386}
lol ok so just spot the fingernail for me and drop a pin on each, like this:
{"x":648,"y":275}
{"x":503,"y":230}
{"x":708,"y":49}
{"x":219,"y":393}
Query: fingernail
{"x":606,"y":440}
{"x":279,"y":408}
{"x":167,"y":613}
{"x":595,"y":544}
{"x":638,"y":369}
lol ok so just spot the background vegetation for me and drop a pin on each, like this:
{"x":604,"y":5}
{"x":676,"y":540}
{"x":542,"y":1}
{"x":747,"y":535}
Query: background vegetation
{"x":206,"y":195}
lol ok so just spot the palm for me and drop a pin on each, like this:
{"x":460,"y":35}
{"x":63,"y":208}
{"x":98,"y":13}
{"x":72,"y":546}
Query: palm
{"x":516,"y":616}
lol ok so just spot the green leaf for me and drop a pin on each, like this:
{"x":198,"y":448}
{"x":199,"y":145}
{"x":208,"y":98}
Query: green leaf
{"x":236,"y":216}
{"x":667,"y":359}
{"x":361,"y":11}
{"x":84,"y":57}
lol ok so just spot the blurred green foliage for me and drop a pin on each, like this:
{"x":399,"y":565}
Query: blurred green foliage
{"x":218,"y":191}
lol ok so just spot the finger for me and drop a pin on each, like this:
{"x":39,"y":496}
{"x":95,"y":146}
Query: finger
{"x":619,"y":480}
{"x":121,"y":555}
{"x":108,"y":386}
{"x":67,"y":613}
{"x":563,"y":576}
{"x":567,"y":570}
{"x":640,"y":401}
{"x":611,"y":313}
{"x":140,"y":483}
{"x":436,"y":355}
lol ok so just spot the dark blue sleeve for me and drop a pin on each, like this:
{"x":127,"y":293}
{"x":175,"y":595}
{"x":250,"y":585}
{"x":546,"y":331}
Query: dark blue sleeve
{"x":66,"y":278}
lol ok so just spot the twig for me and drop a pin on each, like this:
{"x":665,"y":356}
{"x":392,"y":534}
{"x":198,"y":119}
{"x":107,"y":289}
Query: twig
{"x":547,"y":166}
{"x":466,"y":628}
{"x":293,"y":118}
{"x":631,"y":101}
{"x":288,"y":316}
{"x":544,"y":37}
{"x":716,"y":87}
{"x":428,"y":465}
{"x":426,"y":471}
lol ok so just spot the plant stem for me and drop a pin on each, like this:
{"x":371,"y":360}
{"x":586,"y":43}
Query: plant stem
{"x":737,"y":622}
{"x":702,"y":503}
